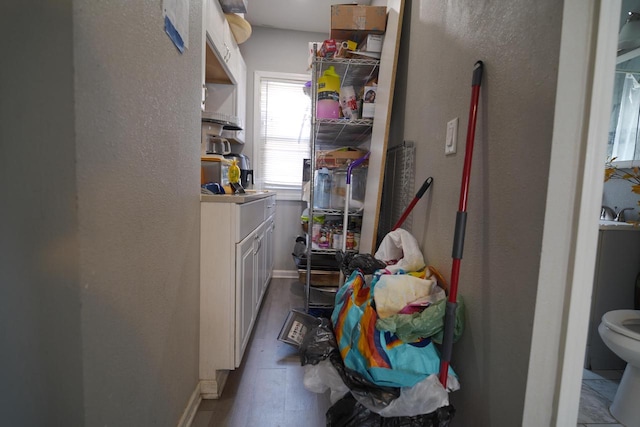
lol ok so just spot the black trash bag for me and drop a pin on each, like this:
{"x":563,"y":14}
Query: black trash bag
{"x":373,"y":395}
{"x":354,"y":261}
{"x":348,"y":412}
{"x":320,"y":343}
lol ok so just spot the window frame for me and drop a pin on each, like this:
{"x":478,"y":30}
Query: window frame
{"x":289,"y":194}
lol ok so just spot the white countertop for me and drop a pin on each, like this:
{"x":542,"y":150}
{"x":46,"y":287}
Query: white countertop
{"x":248,"y":196}
{"x":618,"y":226}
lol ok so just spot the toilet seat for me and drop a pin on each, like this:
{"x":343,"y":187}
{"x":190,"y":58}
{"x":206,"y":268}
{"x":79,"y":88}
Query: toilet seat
{"x":624,"y":322}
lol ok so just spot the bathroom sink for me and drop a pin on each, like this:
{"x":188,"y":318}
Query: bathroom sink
{"x":615,"y":223}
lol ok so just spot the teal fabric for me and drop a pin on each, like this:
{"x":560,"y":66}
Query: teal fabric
{"x":379,"y":356}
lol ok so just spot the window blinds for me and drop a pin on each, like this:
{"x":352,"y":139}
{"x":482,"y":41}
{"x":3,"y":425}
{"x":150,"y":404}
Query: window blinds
{"x":284,"y":134}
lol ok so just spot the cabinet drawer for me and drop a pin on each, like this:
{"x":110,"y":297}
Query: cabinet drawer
{"x":270,"y":207}
{"x":250,"y":216}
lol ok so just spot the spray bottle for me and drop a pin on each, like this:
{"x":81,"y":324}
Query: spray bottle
{"x":234,"y":177}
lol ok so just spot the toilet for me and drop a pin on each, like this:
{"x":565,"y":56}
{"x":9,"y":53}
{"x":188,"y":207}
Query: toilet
{"x":620,"y":331}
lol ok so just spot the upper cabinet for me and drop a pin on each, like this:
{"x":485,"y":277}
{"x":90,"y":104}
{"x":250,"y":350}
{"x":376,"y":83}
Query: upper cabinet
{"x":224,"y":72}
{"x":222,"y":55}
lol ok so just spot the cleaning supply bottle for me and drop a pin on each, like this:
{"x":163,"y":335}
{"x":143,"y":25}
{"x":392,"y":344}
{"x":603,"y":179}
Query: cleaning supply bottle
{"x":234,"y":172}
{"x":328,"y":106}
{"x":234,"y":178}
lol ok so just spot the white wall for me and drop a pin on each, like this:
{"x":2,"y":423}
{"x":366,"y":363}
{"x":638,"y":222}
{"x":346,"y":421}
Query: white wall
{"x":100,"y":248}
{"x":277,"y":51}
{"x":519,"y":44}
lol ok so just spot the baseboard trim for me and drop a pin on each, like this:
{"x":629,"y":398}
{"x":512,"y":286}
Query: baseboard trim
{"x":285,"y":274}
{"x":192,"y":407}
{"x":212,"y":389}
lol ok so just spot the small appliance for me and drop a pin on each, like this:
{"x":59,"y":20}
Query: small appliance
{"x":214,"y":170}
{"x":214,"y":125}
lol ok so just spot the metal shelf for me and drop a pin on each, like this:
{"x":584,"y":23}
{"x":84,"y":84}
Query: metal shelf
{"x":329,"y":251}
{"x":332,"y":133}
{"x":341,"y":132}
{"x":340,"y":212}
{"x":352,"y":71}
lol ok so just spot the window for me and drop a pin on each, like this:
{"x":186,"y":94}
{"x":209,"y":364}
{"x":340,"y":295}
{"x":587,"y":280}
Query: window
{"x":283,"y":113}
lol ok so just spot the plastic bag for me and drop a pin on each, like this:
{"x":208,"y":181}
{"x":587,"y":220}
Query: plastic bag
{"x":428,"y":323}
{"x":327,"y":371}
{"x":323,"y":376}
{"x":364,"y":262}
{"x":318,"y":344}
{"x":348,"y":412}
{"x":400,"y":251}
{"x":379,"y":356}
{"x":423,"y":398}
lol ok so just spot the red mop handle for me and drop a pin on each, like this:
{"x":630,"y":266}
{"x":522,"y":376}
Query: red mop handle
{"x":461,"y":222}
{"x":407,"y":211}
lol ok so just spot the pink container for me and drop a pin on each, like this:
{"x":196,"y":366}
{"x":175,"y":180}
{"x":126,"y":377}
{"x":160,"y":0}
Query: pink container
{"x":328,"y":109}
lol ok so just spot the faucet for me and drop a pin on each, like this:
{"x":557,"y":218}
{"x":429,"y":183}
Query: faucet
{"x":620,"y":216}
{"x":607,"y":213}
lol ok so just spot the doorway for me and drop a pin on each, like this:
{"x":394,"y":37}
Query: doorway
{"x":583,"y":101}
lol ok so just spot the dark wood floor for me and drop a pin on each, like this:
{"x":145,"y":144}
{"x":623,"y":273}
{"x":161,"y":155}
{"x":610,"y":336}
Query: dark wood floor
{"x":267,"y":389}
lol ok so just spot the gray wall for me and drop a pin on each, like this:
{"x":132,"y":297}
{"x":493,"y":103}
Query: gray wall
{"x":100,"y":250}
{"x":283,"y":51}
{"x":519,"y":44}
{"x":40,"y":296}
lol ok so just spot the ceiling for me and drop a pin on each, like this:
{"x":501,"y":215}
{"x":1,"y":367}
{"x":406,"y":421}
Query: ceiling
{"x":300,"y":15}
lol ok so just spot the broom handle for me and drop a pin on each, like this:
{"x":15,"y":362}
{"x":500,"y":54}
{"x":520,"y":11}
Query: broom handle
{"x":461,"y":222}
{"x":407,"y":211}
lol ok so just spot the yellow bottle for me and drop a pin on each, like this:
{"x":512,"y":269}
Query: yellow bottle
{"x":234,"y":172}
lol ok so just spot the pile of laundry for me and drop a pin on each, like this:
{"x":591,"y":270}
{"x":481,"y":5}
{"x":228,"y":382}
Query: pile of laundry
{"x":377,"y":354}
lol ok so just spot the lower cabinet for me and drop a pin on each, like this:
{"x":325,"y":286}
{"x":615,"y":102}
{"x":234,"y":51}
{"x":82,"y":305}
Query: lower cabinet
{"x":236,"y":262}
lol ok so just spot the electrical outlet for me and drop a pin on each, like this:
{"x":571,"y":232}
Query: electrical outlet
{"x":451,"y":141}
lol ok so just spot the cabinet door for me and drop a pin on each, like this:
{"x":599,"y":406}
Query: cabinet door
{"x":241,"y":97}
{"x":245,"y":299}
{"x":261,"y":267}
{"x":222,"y":52}
{"x":269,"y":237}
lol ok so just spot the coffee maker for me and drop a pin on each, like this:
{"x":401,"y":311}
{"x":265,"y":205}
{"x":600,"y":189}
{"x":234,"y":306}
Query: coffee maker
{"x":212,"y":145}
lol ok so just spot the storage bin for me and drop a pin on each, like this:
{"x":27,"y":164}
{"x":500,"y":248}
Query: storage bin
{"x":339,"y":188}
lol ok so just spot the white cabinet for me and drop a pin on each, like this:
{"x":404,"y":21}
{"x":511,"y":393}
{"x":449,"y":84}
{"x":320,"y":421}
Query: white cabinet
{"x":222,"y":57}
{"x":224,"y":73}
{"x":235,"y":251}
{"x":247,"y":276}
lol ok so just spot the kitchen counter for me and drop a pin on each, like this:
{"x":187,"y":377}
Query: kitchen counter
{"x":248,"y":196}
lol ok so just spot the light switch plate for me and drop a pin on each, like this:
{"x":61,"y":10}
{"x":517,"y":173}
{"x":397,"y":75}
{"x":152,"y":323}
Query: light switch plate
{"x":451,"y":141}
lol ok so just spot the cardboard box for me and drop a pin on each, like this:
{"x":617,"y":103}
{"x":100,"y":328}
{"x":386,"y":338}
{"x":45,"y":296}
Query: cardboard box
{"x":373,"y":43}
{"x":369,"y":102}
{"x":357,"y":17}
{"x":337,"y":158}
{"x":321,"y":278}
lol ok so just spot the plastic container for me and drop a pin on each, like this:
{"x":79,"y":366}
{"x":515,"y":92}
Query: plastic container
{"x":339,"y":188}
{"x":328,"y":105}
{"x":328,"y":109}
{"x":330,"y":81}
{"x":322,"y":189}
